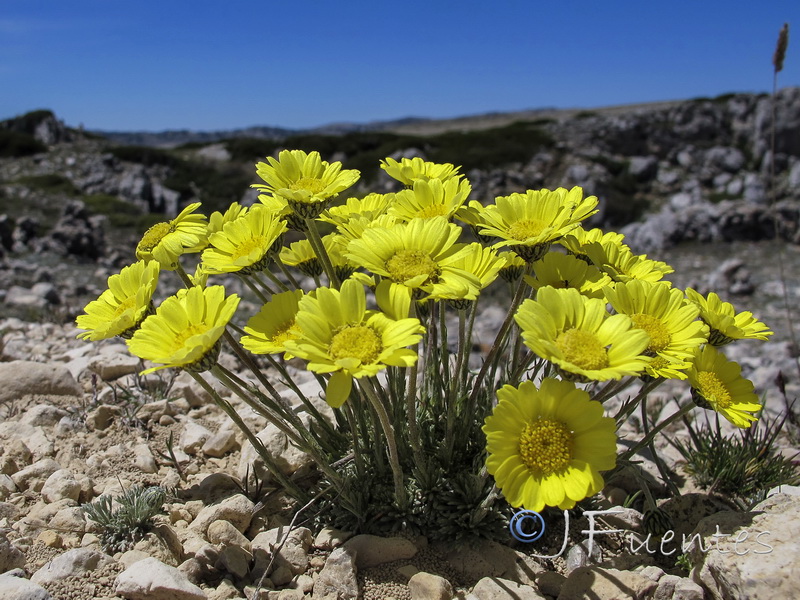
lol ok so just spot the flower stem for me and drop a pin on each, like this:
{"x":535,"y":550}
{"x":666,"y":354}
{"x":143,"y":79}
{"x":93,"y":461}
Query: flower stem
{"x":246,"y":280}
{"x":319,"y":249}
{"x":656,"y":430}
{"x":394,"y":458}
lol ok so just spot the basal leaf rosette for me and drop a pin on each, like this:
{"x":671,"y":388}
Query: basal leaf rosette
{"x":273,"y":325}
{"x":123,"y":306}
{"x":547,"y":446}
{"x":528,"y":223}
{"x":165,"y":242}
{"x":717,"y":384}
{"x":305,"y":180}
{"x":409,"y":170}
{"x":430,"y":198}
{"x":580,"y":337}
{"x":420,"y":255}
{"x":669,"y":320}
{"x":185,"y":329}
{"x":245,"y":243}
{"x":338,"y":335}
{"x":566,"y":271}
{"x":726,"y":324}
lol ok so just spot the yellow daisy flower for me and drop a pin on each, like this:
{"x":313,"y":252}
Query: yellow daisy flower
{"x":470,"y":214}
{"x":578,"y":335}
{"x":305,"y":180}
{"x":484,"y":263}
{"x":244,"y":245}
{"x":669,"y":320}
{"x":726,"y":324}
{"x":431,"y":198}
{"x":185,"y":330}
{"x":355,"y":227}
{"x":270,"y":329}
{"x":528,"y":223}
{"x":513,"y":268}
{"x":123,"y":306}
{"x":576,"y":240}
{"x":301,"y":255}
{"x":370,"y":207}
{"x":217,"y":220}
{"x":165,"y":242}
{"x":622,"y":265}
{"x":409,"y":170}
{"x":546,"y":447}
{"x":420,"y":255}
{"x":562,"y":271}
{"x":717,"y":384}
{"x":338,"y":335}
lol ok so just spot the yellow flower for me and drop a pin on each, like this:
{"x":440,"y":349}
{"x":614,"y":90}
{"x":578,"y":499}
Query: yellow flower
{"x":669,"y":320}
{"x":355,"y":227}
{"x":578,"y":335}
{"x":165,"y":242}
{"x":274,"y":325}
{"x":513,"y":268}
{"x":244,"y":244}
{"x":370,"y":207}
{"x":622,"y":265}
{"x":185,"y":330}
{"x":528,"y":223}
{"x":123,"y":306}
{"x":301,"y":255}
{"x":726,"y":324}
{"x":431,"y":198}
{"x":561,"y":271}
{"x":306,"y":181}
{"x":576,"y":240}
{"x":420,"y":255}
{"x":217,"y":220}
{"x":717,"y":384}
{"x":409,"y":170}
{"x":546,"y":447}
{"x":337,"y":334}
{"x":484,"y":263}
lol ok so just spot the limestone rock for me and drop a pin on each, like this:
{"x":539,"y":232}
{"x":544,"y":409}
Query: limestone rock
{"x":597,"y":582}
{"x":60,"y":485}
{"x":373,"y":550}
{"x":494,"y":588}
{"x":238,"y":510}
{"x":71,"y":563}
{"x":150,"y":579}
{"x":338,"y":576}
{"x":21,"y":377}
{"x":19,"y":588}
{"x":293,"y":554}
{"x":10,"y":556}
{"x":425,"y":586}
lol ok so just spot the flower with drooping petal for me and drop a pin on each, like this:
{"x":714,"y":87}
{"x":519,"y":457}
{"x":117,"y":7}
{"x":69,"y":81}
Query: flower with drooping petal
{"x":528,"y":223}
{"x":576,"y":240}
{"x":563,"y":270}
{"x":409,"y":170}
{"x":578,"y":335}
{"x":165,"y":242}
{"x":338,"y":335}
{"x":305,"y":180}
{"x":217,"y":219}
{"x":547,"y":446}
{"x":274,"y":325}
{"x":123,"y":306}
{"x":431,"y":198}
{"x":726,"y":324}
{"x":622,"y":265}
{"x":185,"y":330}
{"x":370,"y":206}
{"x":244,"y":244}
{"x":484,"y":263}
{"x":717,"y":384}
{"x":667,"y":317}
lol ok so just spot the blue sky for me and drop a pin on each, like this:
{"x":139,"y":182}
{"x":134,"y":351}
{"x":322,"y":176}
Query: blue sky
{"x":205,"y":65}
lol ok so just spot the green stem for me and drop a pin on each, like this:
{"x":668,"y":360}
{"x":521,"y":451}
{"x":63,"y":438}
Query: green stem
{"x":656,"y":430}
{"x":394,"y":458}
{"x":319,"y":249}
{"x":246,"y":280}
{"x":257,"y":444}
{"x":271,"y":276}
{"x":288,"y":274}
{"x":662,"y":469}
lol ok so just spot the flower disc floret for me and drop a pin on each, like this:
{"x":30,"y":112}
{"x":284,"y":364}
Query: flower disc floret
{"x":123,"y":306}
{"x":547,"y":446}
{"x":185,"y":329}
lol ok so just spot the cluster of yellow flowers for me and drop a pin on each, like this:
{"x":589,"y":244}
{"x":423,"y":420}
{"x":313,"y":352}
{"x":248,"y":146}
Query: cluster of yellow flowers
{"x":585,"y":306}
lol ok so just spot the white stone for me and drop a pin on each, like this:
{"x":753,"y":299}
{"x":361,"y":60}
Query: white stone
{"x":238,"y":510}
{"x":193,"y":437}
{"x":60,"y":485}
{"x":150,"y":579}
{"x":373,"y":550}
{"x":425,"y":586}
{"x":338,"y":576}
{"x":21,"y":377}
{"x":72,"y":563}
{"x":19,"y":588}
{"x":494,"y":588}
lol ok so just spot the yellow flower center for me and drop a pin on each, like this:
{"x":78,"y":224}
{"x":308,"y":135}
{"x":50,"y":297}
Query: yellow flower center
{"x":153,"y":236}
{"x":257,"y":242}
{"x":545,"y":446}
{"x":310,"y":184}
{"x":582,"y":349}
{"x":284,"y":333}
{"x":356,"y":341}
{"x":526,"y":228}
{"x":712,"y":388}
{"x":123,"y":306}
{"x":660,"y":336}
{"x":193,"y":329}
{"x":410,"y":263}
{"x":434,"y":210}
